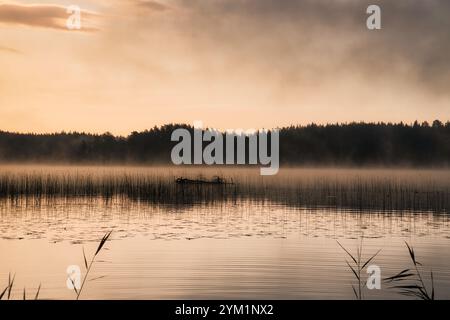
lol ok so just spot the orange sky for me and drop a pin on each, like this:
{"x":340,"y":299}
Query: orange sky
{"x":228,"y":63}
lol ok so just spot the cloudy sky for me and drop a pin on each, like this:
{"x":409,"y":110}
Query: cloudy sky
{"x":230,"y":63}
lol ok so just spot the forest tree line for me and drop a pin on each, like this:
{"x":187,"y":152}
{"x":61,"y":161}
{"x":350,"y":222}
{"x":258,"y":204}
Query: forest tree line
{"x":360,"y":144}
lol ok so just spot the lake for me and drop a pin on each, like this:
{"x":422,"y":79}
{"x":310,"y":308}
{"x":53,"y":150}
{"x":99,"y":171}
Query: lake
{"x":254,"y":238}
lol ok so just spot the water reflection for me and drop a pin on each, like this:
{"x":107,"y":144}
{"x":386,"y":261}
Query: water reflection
{"x":81,"y":220}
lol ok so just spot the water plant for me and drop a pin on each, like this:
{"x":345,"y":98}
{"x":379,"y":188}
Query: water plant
{"x":411,"y":282}
{"x":357,"y":265}
{"x":377,"y":190}
{"x":88,"y":266}
{"x":7,"y":291}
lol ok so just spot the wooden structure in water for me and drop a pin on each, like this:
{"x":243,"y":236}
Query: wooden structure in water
{"x":214,"y":181}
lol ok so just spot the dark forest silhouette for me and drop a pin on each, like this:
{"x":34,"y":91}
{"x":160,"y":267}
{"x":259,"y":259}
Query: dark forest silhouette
{"x":383,"y":144}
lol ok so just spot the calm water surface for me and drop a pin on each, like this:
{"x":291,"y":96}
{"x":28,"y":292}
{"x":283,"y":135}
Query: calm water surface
{"x":239,"y":249}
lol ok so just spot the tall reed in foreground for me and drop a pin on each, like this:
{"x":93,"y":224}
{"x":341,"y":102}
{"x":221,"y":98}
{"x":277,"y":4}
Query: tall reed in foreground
{"x":410,"y":282}
{"x":88,"y":266}
{"x":358,"y":265}
{"x":7,"y":291}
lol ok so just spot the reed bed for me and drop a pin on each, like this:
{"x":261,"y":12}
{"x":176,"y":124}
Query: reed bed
{"x":383,"y":190}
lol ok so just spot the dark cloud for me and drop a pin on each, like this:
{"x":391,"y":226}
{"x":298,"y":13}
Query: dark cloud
{"x":37,"y":15}
{"x":308,"y":39}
